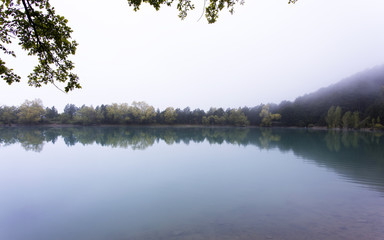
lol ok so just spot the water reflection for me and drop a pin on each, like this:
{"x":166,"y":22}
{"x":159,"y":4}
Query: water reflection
{"x":357,"y":156}
{"x":194,"y":192}
{"x":140,"y":138}
{"x":122,"y":137}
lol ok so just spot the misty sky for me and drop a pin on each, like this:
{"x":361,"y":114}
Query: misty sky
{"x":268,"y":51}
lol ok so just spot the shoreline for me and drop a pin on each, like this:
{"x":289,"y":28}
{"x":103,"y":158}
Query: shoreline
{"x":63,"y":125}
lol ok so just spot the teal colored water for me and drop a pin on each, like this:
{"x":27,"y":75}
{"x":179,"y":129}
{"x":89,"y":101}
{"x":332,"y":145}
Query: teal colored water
{"x":122,"y":183}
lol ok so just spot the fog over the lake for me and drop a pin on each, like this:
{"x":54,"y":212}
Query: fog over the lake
{"x":268,"y":51}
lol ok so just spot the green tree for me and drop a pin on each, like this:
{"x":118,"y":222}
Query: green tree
{"x":378,"y":124}
{"x":238,"y":118}
{"x":41,"y":33}
{"x":102,"y":113}
{"x":337,"y":116}
{"x":86,"y":116}
{"x":141,"y":112}
{"x":267,"y":117}
{"x":31,"y":112}
{"x":333,"y":117}
{"x":347,"y":120}
{"x":216,"y":116}
{"x":169,"y":115}
{"x":221,"y":120}
{"x":51,"y":113}
{"x":70,"y":111}
{"x":330,"y":118}
{"x":373,"y":121}
{"x":356,"y":120}
{"x":197,"y":116}
{"x":8,"y":115}
{"x":205,"y":120}
{"x":118,"y":113}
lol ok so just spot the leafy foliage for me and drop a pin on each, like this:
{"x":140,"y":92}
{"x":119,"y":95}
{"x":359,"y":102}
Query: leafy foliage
{"x":51,"y":114}
{"x":347,"y":120}
{"x":141,"y":112}
{"x":8,"y":115}
{"x":138,"y":113}
{"x":70,"y":110}
{"x":237,"y":118}
{"x":86,"y":116}
{"x":169,"y":115}
{"x":212,"y":8}
{"x":31,"y":112}
{"x":333,"y":117}
{"x":42,"y":33}
{"x":268,"y":117}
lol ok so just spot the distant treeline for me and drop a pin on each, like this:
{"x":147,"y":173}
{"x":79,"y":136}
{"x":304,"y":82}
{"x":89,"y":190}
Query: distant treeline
{"x":353,"y":103}
{"x":138,"y":113}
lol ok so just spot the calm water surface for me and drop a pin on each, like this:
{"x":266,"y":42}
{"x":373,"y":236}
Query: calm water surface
{"x":190,"y":183}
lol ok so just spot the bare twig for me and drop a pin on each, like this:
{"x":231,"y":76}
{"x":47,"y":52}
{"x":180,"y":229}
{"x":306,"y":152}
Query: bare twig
{"x":202,"y":14}
{"x":58,"y":87}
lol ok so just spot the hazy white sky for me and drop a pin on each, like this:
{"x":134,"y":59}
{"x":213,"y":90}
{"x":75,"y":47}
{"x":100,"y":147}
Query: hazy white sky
{"x":268,"y":51}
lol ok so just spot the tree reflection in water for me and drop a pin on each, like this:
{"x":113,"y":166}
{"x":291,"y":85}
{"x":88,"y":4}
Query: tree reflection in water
{"x":358,"y":156}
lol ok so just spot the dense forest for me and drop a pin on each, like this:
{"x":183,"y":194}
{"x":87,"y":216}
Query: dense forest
{"x":355,"y":102}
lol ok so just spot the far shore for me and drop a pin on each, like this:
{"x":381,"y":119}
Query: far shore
{"x":63,"y":125}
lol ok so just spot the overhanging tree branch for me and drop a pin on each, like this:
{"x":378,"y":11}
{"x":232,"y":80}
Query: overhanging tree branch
{"x":31,"y":21}
{"x":43,"y":34}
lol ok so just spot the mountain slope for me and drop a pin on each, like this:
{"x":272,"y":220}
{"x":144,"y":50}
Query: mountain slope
{"x":362,"y":92}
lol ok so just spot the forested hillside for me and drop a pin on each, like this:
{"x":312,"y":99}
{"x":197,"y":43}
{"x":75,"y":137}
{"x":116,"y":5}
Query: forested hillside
{"x":362,"y":93}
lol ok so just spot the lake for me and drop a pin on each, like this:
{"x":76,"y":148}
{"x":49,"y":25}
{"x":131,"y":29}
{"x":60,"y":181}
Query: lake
{"x":122,"y":183}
